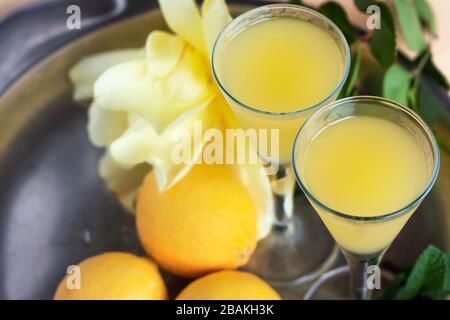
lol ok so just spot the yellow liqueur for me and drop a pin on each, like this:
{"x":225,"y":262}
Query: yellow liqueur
{"x":364,"y":166}
{"x":280,"y":65}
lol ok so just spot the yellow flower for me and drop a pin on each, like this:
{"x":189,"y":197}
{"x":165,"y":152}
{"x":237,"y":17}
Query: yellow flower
{"x":143,"y":99}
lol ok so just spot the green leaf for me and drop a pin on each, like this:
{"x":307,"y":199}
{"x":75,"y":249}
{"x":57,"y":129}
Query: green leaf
{"x":349,"y":86}
{"x":296,"y":2}
{"x":435,"y":279}
{"x":427,"y":277}
{"x":426,"y":15}
{"x":394,"y":286}
{"x":383,"y":42}
{"x":432,"y":72}
{"x":336,"y":14}
{"x":430,"y":106}
{"x":447,"y":260}
{"x":383,"y":48}
{"x":396,"y":84}
{"x":385,"y":13}
{"x":408,"y":18}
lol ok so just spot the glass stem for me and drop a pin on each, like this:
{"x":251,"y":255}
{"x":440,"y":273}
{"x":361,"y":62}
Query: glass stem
{"x":283,"y":186}
{"x":360,"y":272}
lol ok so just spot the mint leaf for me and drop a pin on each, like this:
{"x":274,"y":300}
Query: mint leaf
{"x":349,"y":86}
{"x":426,"y":15}
{"x":447,"y":262}
{"x":435,"y":278}
{"x":427,"y":277}
{"x":396,"y":84}
{"x":391,"y":291}
{"x":382,"y":42}
{"x":410,"y":24}
{"x":336,"y":14}
{"x":296,"y":2}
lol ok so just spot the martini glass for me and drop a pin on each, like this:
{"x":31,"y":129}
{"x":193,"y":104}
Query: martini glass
{"x":298,"y":248}
{"x":377,"y":162}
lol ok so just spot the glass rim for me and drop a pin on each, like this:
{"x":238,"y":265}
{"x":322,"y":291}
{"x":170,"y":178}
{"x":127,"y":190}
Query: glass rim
{"x":276,"y":6}
{"x":392,"y":104}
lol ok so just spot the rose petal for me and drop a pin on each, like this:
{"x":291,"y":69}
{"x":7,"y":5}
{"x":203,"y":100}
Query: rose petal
{"x":104,"y":126}
{"x":215,"y":16}
{"x":183,"y":18}
{"x":164,"y":52}
{"x":88,"y":69}
{"x":127,"y":87}
{"x":142,"y":143}
{"x":122,"y":180}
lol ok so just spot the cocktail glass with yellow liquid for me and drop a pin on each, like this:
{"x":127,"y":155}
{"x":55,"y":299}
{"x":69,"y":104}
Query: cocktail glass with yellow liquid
{"x":365,"y":164}
{"x":276,"y":65}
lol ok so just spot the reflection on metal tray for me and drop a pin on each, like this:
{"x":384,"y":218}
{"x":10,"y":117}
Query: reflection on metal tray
{"x":55,"y":210}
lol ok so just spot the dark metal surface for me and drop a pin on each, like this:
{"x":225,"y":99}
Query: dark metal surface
{"x":55,"y":210}
{"x":30,"y":34}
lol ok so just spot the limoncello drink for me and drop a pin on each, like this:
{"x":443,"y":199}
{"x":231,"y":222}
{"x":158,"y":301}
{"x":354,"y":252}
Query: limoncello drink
{"x":281,"y":65}
{"x":364,"y":166}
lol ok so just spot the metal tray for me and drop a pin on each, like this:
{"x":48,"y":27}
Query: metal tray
{"x":54,"y":209}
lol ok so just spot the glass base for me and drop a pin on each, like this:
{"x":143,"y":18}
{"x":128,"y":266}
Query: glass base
{"x":335,"y":285}
{"x":295,"y":253}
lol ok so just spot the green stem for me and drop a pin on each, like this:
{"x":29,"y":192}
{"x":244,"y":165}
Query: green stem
{"x":416,"y":79}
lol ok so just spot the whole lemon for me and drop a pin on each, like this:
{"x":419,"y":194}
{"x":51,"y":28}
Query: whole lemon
{"x":204,"y":223}
{"x":229,"y":285}
{"x":114,"y":276}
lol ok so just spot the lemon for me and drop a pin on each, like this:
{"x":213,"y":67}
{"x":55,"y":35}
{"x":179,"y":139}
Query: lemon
{"x":204,"y":223}
{"x":114,"y":276}
{"x":229,"y":285}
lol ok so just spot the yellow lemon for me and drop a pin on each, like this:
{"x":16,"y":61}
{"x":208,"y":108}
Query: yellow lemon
{"x":114,"y":276}
{"x":204,"y":223}
{"x":229,"y":285}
